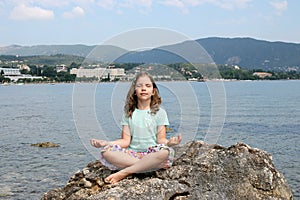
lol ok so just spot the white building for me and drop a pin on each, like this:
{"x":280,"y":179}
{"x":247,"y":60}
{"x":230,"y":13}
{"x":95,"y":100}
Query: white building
{"x":9,"y":71}
{"x":61,"y":68}
{"x":14,"y":74}
{"x":262,"y":74}
{"x":99,"y":73}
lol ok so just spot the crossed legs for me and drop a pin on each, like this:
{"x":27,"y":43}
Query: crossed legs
{"x":130,"y":165}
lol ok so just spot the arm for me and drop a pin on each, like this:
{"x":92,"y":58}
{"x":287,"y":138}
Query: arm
{"x":126,"y":138}
{"x":124,"y":142}
{"x":161,"y":137}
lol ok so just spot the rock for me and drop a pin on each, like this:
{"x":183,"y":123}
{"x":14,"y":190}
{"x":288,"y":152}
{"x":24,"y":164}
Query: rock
{"x":200,"y":172}
{"x":45,"y":145}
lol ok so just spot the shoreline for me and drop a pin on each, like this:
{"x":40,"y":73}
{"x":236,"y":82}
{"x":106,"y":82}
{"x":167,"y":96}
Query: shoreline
{"x":97,"y":82}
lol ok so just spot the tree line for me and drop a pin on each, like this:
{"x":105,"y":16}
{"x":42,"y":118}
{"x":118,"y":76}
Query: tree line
{"x":189,"y":71}
{"x":194,"y":71}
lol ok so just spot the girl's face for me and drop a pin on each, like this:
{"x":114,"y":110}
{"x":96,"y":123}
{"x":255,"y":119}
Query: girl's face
{"x":144,"y":88}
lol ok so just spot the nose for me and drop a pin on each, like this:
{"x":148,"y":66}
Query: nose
{"x":143,"y":87}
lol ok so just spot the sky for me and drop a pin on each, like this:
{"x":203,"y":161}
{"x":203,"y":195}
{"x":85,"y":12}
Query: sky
{"x":91,"y":22}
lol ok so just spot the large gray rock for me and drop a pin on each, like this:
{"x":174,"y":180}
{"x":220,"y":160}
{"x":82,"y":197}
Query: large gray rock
{"x":200,"y":171}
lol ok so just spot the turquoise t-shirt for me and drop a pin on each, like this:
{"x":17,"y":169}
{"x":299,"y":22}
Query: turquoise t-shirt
{"x":143,"y":128}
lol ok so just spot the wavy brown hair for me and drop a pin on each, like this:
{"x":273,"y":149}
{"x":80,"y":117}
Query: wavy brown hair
{"x":132,"y":101}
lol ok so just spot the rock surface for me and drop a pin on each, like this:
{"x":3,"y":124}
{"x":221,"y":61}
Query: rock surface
{"x":200,"y":172}
{"x":45,"y":145}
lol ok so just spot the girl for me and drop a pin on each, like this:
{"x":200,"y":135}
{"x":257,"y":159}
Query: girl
{"x":143,"y":146}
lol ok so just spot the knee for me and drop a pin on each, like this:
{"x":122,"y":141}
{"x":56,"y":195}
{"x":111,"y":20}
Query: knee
{"x":106,"y":154}
{"x":163,"y":154}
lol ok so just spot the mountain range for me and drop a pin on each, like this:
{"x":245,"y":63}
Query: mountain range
{"x":247,"y":53}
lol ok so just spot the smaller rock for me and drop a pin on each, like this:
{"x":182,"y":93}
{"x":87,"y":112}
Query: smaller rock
{"x":100,"y":182}
{"x":85,"y":171}
{"x":45,"y":145}
{"x":85,"y":183}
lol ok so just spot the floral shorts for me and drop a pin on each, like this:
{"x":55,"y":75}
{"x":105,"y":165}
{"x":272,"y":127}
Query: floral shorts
{"x":139,"y":155}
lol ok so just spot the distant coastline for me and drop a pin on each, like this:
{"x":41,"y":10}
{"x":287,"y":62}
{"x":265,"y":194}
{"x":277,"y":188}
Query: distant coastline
{"x":97,"y":82}
{"x":29,"y":73}
{"x":224,"y":58}
{"x":248,"y":53}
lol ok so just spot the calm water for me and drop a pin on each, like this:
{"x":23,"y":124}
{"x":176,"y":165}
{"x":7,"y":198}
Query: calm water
{"x":263,"y":114}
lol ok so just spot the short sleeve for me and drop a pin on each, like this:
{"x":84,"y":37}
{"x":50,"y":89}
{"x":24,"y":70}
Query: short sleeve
{"x":125,"y":120}
{"x":162,"y":118}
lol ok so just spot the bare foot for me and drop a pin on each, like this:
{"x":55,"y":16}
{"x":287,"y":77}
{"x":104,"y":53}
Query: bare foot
{"x":116,"y":177}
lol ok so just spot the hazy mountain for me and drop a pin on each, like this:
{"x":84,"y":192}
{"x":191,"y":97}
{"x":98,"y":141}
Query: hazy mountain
{"x":251,"y":53}
{"x":245,"y":52}
{"x":78,"y":50}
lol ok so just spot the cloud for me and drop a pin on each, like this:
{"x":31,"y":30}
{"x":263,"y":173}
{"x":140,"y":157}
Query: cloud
{"x":232,"y":4}
{"x":133,"y":3}
{"x":23,"y":12}
{"x":42,"y":3}
{"x":279,"y":6}
{"x":174,"y":3}
{"x":75,"y":12}
{"x":181,"y":4}
{"x":177,"y":4}
{"x":119,"y":5}
{"x":107,"y":4}
{"x":51,"y":3}
{"x":224,"y":4}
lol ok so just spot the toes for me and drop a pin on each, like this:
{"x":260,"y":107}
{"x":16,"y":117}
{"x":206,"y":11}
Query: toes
{"x":114,"y":178}
{"x":111,"y":179}
{"x":108,"y":179}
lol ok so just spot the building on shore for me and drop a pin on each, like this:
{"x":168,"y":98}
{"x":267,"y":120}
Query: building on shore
{"x":262,"y":74}
{"x":10,"y":71}
{"x":100,"y":73}
{"x":14,"y":74}
{"x":61,"y":68}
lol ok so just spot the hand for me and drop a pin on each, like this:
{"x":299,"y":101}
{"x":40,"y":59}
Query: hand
{"x":175,"y":140}
{"x":98,"y":143}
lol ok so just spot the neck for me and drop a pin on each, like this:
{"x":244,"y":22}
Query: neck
{"x":143,"y":105}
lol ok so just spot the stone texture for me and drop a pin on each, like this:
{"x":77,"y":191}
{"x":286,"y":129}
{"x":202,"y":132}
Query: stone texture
{"x":200,"y":172}
{"x":45,"y":145}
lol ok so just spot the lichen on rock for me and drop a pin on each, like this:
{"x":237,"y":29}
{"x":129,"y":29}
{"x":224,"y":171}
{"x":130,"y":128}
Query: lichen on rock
{"x":200,"y":171}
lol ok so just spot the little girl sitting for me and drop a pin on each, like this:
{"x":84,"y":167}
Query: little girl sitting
{"x":143,"y":146}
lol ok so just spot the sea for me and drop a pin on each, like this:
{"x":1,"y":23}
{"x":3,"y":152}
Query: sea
{"x":261,"y":114}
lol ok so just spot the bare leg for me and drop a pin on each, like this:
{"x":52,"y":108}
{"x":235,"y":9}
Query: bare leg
{"x":119,"y":159}
{"x":149,"y":162}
